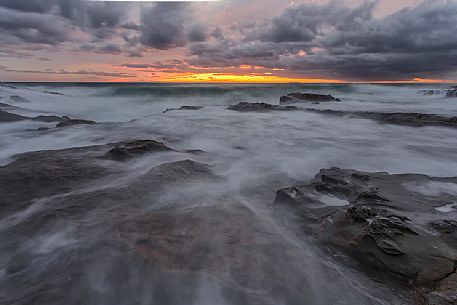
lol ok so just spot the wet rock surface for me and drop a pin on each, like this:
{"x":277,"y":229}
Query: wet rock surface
{"x":18,"y":99}
{"x":71,"y":122}
{"x":297,"y":97}
{"x":389,"y":227}
{"x":118,"y":242}
{"x":5,"y":105}
{"x":5,"y":85}
{"x":397,"y":118}
{"x":451,"y":92}
{"x":127,"y":150}
{"x":183,"y":108}
{"x":259,"y":107}
{"x":46,"y":173}
{"x":6,"y":117}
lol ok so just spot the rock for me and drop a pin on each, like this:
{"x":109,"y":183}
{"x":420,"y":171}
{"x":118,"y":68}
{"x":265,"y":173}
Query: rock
{"x":385,"y":228}
{"x":397,"y":118}
{"x":4,"y":105}
{"x":451,"y":92}
{"x":70,"y":122}
{"x":259,"y":107}
{"x":12,"y":117}
{"x":48,"y":118}
{"x":306,"y":97}
{"x":6,"y":117}
{"x":45,"y":173}
{"x":127,"y":150}
{"x":430,"y":92}
{"x":51,"y":92}
{"x":5,"y":85}
{"x":18,"y":99}
{"x":184,"y":108}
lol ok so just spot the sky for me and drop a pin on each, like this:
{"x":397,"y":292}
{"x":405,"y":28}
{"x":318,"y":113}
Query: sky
{"x":229,"y":41}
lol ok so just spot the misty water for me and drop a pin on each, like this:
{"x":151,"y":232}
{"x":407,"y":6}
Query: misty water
{"x":220,"y":239}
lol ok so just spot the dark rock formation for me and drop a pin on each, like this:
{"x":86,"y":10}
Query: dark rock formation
{"x":52,"y":92}
{"x":6,"y":117}
{"x":48,"y":118}
{"x":5,"y":85}
{"x":4,"y":105}
{"x":127,"y":150}
{"x":70,"y":122}
{"x":398,"y":118}
{"x":45,"y":173}
{"x":306,"y":97}
{"x":71,"y":220}
{"x":451,"y":92}
{"x":431,"y":92}
{"x":18,"y":99}
{"x":385,"y":227}
{"x":259,"y":107}
{"x":184,"y":108}
{"x":12,"y":117}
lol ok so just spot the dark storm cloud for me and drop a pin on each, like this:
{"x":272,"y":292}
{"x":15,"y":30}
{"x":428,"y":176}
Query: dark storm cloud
{"x":162,"y":25}
{"x":111,"y":48}
{"x":36,"y":6}
{"x":197,"y":33}
{"x":336,"y":41}
{"x":32,"y":27}
{"x":54,"y":21}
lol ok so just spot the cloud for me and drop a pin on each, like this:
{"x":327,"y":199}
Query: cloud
{"x":336,"y":41}
{"x":77,"y":72}
{"x":55,"y":21}
{"x":162,"y":25}
{"x":312,"y":40}
{"x":32,"y":27}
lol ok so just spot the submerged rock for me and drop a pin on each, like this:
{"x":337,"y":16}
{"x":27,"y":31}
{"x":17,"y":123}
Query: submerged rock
{"x":306,"y":97}
{"x":5,"y":85}
{"x":6,"y":117}
{"x":18,"y":99}
{"x":12,"y":117}
{"x":45,"y":173}
{"x":385,"y":226}
{"x":48,"y":118}
{"x":184,"y":108}
{"x":451,"y":92}
{"x":127,"y":150}
{"x":259,"y":107}
{"x":70,"y":122}
{"x":52,"y":92}
{"x":398,"y":118}
{"x":4,"y":105}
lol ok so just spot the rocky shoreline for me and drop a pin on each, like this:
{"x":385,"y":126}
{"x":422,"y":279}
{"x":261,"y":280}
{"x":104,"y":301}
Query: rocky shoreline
{"x":396,"y":230}
{"x":386,"y":224}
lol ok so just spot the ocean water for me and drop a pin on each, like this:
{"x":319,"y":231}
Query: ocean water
{"x":297,"y":144}
{"x":254,"y":153}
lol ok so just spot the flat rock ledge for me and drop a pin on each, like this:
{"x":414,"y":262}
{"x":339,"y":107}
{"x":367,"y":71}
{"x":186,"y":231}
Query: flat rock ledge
{"x":297,"y":97}
{"x":183,"y":108}
{"x":259,"y":107}
{"x":127,"y":150}
{"x":385,"y":225}
{"x":398,"y":118}
{"x":7,"y":117}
